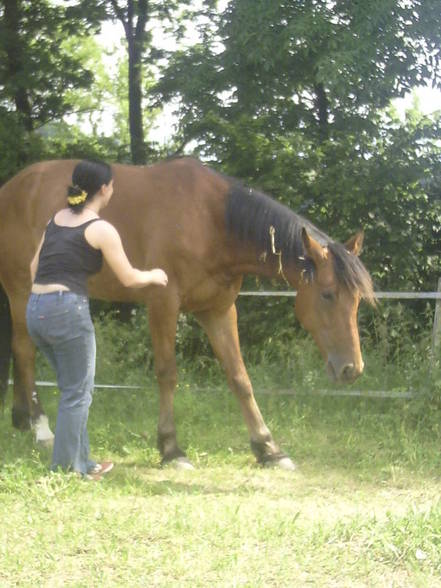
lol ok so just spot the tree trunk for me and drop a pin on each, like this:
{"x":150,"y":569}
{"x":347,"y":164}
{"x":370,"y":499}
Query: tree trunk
{"x":135,"y":35}
{"x":137,"y":146}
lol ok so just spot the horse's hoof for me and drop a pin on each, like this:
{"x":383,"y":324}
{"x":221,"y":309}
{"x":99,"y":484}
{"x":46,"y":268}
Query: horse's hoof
{"x":43,"y":434}
{"x":181,"y":463}
{"x":46,"y":443}
{"x":284,"y":463}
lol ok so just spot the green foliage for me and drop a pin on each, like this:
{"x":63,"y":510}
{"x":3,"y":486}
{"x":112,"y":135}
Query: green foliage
{"x":389,"y":185}
{"x":18,"y":145}
{"x":316,"y":67}
{"x":46,"y":68}
{"x":66,"y":141}
{"x":53,"y":68}
{"x":54,"y":141}
{"x":126,"y":353}
{"x":33,"y":58}
{"x":124,"y":346}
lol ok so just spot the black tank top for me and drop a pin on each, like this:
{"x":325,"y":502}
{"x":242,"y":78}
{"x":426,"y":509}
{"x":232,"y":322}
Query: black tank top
{"x":67,"y":258}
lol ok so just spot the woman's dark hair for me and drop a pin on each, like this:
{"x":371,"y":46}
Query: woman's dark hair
{"x":87,"y":178}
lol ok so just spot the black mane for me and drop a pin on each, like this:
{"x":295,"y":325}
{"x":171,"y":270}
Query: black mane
{"x":249,"y":216}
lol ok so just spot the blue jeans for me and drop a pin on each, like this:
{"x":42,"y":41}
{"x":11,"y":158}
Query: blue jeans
{"x":59,"y":323}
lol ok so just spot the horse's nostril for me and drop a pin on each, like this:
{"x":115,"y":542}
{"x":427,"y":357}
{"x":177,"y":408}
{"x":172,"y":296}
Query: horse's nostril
{"x":344,"y":372}
{"x":349,"y":373}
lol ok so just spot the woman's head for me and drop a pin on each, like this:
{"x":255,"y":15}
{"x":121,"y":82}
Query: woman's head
{"x":87,"y":179}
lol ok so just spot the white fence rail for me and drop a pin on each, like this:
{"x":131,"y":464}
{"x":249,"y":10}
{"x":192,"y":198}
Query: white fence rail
{"x":391,"y":295}
{"x":436,"y":332}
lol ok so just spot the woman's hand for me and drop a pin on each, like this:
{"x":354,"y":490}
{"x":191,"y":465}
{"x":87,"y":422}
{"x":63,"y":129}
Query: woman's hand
{"x":158,"y":277}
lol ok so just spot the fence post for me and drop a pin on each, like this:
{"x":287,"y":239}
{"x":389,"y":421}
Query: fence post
{"x":436,"y":333}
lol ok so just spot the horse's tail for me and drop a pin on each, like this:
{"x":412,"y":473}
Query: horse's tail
{"x":5,"y":344}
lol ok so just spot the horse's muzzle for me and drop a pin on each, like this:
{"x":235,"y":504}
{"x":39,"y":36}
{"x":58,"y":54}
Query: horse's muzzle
{"x":343,"y":373}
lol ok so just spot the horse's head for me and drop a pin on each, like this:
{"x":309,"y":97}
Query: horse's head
{"x":328,"y":295}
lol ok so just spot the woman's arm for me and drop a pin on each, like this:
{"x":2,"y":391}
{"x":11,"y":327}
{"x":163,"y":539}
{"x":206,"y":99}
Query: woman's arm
{"x":102,"y":235}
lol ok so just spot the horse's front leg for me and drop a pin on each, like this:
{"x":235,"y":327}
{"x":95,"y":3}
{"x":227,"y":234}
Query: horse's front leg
{"x":221,"y":328}
{"x":163,"y":316}
{"x":26,"y":408}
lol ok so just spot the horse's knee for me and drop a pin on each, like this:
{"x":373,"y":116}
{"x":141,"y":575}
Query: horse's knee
{"x":166,"y":374}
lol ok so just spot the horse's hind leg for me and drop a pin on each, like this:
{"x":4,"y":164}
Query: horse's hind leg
{"x":5,"y":345}
{"x":221,"y":328}
{"x":26,"y":408}
{"x":163,"y":316}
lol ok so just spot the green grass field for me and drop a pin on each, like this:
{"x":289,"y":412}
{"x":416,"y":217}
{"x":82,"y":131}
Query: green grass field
{"x":362,"y":509}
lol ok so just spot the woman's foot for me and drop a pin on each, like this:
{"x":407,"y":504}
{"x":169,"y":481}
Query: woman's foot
{"x":97,"y":472}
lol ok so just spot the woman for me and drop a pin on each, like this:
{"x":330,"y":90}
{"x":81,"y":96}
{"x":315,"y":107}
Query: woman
{"x":58,"y":318}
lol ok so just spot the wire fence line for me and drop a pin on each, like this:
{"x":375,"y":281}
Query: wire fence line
{"x":264,"y":391}
{"x":391,"y":295}
{"x":404,"y":394}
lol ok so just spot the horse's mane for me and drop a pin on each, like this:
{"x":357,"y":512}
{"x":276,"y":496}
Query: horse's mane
{"x":249,"y":216}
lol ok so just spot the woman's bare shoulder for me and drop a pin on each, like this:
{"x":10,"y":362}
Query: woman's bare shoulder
{"x":101,"y":232}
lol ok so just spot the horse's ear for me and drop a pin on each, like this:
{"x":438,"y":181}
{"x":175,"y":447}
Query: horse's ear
{"x":355,"y":243}
{"x":313,"y":249}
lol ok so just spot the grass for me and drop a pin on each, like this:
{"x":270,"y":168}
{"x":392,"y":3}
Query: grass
{"x":362,"y":509}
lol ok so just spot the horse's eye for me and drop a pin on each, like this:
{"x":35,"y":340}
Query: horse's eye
{"x":328,"y":296}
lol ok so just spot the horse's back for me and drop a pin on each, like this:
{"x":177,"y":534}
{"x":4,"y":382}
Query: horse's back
{"x":172,"y":203}
{"x":145,"y":196}
{"x":169,"y":214}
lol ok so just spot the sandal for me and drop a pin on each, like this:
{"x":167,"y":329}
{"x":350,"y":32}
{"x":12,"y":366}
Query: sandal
{"x":101,"y":468}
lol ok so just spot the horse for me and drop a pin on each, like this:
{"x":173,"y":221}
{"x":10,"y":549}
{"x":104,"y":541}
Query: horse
{"x":207,"y":231}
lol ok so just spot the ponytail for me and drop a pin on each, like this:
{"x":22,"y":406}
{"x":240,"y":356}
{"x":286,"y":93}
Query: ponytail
{"x":87,"y":178}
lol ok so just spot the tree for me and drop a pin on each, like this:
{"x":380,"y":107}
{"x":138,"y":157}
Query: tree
{"x":136,"y":37}
{"x":319,"y":67}
{"x":35,"y":68}
{"x":137,"y":18}
{"x":37,"y":73}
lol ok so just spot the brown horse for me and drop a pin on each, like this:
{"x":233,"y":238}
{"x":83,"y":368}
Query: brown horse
{"x":206,"y":231}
